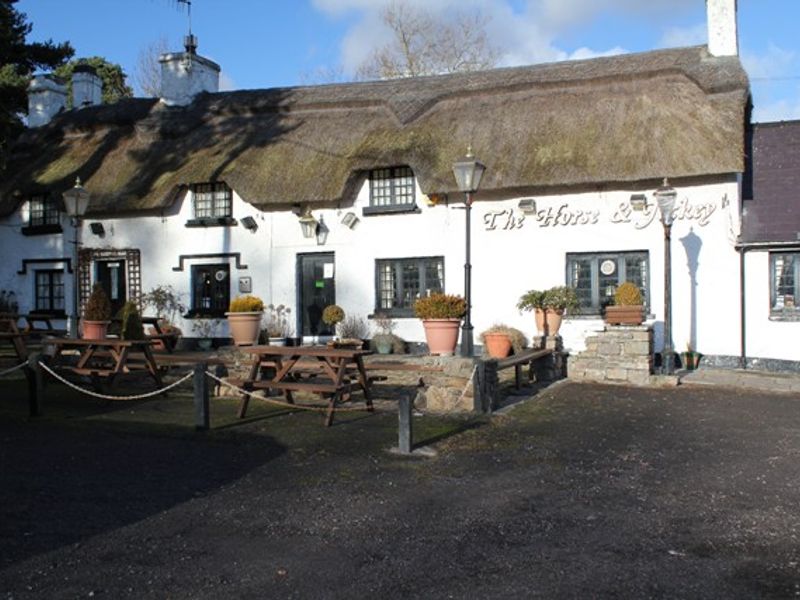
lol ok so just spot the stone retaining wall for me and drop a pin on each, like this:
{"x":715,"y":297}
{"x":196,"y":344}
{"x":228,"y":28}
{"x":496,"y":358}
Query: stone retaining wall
{"x":618,"y":354}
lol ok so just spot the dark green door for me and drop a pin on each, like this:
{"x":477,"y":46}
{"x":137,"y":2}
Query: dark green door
{"x":317,"y":290}
{"x":111,"y":276}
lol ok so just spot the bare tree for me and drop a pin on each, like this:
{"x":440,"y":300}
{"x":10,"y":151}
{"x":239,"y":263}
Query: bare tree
{"x":426,"y":44}
{"x":147,"y":72}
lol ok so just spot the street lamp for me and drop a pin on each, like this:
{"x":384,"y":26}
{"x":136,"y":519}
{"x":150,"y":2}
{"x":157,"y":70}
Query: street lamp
{"x":468,"y":173}
{"x":665,"y":196}
{"x":76,"y":201}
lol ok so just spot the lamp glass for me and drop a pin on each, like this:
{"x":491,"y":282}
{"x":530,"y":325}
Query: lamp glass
{"x":321,"y":232}
{"x":76,"y":200}
{"x":468,"y":173}
{"x":666,"y":196}
{"x":309,"y":225}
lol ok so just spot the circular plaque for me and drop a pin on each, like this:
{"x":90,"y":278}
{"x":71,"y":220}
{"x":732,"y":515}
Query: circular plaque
{"x":607,"y":267}
{"x":220,"y":275}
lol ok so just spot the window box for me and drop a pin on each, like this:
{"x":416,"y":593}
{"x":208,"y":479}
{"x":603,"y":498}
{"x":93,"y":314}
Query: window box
{"x":212,"y":222}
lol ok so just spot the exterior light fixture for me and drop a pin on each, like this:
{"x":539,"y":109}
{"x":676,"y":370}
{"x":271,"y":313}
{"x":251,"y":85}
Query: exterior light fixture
{"x":638,"y":202}
{"x":665,"y":197}
{"x":527,"y":206}
{"x":308,"y":224}
{"x":249,"y":223}
{"x":468,"y":172}
{"x":322,"y":232}
{"x":350,"y":220}
{"x":76,"y":201}
{"x":97,"y":229}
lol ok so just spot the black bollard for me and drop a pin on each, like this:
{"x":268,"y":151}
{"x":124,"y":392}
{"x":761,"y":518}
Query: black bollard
{"x":202,"y":420}
{"x":404,"y":429}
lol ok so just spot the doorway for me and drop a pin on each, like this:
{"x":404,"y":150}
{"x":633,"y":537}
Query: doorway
{"x":317,"y":287}
{"x":111,"y":277}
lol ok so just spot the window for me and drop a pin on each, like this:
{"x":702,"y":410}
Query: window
{"x":213,"y":205}
{"x":44,"y":216}
{"x":391,"y":190}
{"x":210,"y":290}
{"x":49,"y":291}
{"x":401,"y":281}
{"x":596,"y":276}
{"x":785,"y":279}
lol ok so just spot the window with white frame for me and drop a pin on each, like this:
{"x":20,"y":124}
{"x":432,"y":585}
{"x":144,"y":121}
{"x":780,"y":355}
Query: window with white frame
{"x":596,"y":275}
{"x":49,"y":292}
{"x":400,"y":281}
{"x":391,"y":189}
{"x":44,"y":216}
{"x":785,"y":283}
{"x":212,"y":200}
{"x":211,"y":290}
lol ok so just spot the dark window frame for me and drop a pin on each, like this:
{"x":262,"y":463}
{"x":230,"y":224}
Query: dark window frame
{"x":210,"y":298}
{"x":392,"y":190}
{"x":44,"y":215}
{"x":600,"y":298}
{"x":212,"y":205}
{"x":403,"y":293}
{"x":55,"y":292}
{"x":788,"y":308}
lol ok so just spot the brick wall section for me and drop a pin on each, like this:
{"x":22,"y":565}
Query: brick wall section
{"x":618,"y":354}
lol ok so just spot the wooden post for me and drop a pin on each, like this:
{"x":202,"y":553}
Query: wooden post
{"x":404,"y":426}
{"x":33,"y":372}
{"x":202,"y":420}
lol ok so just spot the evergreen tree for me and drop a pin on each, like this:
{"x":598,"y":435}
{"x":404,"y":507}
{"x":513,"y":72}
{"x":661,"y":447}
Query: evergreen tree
{"x":113,"y":77}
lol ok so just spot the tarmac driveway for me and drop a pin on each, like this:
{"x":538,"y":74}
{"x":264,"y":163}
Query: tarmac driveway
{"x":582,"y":491}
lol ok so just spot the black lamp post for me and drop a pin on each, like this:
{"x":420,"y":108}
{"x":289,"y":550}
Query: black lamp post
{"x":665,"y":196}
{"x":76,"y":201}
{"x":468,"y":173}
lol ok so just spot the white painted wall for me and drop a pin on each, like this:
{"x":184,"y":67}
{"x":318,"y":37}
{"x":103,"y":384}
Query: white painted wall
{"x":508,"y":259}
{"x":46,"y":97}
{"x":184,"y":75}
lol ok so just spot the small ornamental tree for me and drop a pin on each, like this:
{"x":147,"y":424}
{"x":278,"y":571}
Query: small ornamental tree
{"x":440,"y":306}
{"x":98,"y":306}
{"x":332,"y":314}
{"x":132,"y":328}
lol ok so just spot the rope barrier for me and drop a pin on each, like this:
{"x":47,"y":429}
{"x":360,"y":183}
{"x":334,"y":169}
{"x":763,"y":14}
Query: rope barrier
{"x":279,"y":402}
{"x":12,"y":369}
{"x":108,"y":397}
{"x":469,"y":382}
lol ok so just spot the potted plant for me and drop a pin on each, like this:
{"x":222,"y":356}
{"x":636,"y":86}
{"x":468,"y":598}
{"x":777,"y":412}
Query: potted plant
{"x":206,"y":330}
{"x":277,"y":324}
{"x":131,"y":327}
{"x":332,"y":315}
{"x":352,"y":332}
{"x":499,"y":340}
{"x":690,"y":358}
{"x":549,"y":307}
{"x":166,"y":303}
{"x":441,"y":315}
{"x":244,"y":318}
{"x":384,"y":340}
{"x":627,"y":308}
{"x":96,"y":314}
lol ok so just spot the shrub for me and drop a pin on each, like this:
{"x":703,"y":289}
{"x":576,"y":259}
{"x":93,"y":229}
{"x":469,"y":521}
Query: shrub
{"x":518,"y":340}
{"x":132,"y":328}
{"x":354,"y":327}
{"x":165,"y":301}
{"x":561,"y":298}
{"x":246,"y":304}
{"x":628,"y":294}
{"x":277,"y":321}
{"x":98,"y":306}
{"x":530,"y":300}
{"x":332,"y":314}
{"x":398,"y":343}
{"x":440,"y":306}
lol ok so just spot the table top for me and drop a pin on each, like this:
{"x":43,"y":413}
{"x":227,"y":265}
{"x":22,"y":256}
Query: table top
{"x":100,"y":342}
{"x":322,"y":351}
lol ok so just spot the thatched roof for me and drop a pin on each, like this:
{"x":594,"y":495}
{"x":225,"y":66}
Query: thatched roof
{"x":626,"y":118}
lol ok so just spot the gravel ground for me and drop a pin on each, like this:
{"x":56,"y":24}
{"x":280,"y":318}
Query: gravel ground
{"x":580,"y":491}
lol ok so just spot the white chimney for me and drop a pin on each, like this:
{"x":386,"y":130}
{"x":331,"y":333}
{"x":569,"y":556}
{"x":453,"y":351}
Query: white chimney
{"x":722,"y":35}
{"x":87,"y":87}
{"x":186,"y":74}
{"x":47,"y":96}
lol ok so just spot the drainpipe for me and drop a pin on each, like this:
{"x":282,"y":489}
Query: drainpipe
{"x":742,"y":317}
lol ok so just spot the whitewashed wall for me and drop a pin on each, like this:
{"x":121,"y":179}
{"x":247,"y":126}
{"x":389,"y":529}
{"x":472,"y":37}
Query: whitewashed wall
{"x":511,"y":253}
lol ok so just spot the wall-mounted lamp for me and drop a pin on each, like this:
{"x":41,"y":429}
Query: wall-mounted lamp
{"x":350,"y":220}
{"x":322,"y":232}
{"x":308,"y":224}
{"x":249,"y":223}
{"x":638,"y":202}
{"x":97,"y":229}
{"x":436,"y":199}
{"x":527,"y":206}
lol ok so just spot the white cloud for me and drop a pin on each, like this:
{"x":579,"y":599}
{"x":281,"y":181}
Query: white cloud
{"x":675,"y":37}
{"x":781,"y":110}
{"x":775,"y":62}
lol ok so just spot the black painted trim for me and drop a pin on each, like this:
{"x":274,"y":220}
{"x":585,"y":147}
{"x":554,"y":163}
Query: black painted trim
{"x":235,"y":255}
{"x":370,"y":211}
{"x":212,"y":222}
{"x":43,"y":261}
{"x":42,"y":229}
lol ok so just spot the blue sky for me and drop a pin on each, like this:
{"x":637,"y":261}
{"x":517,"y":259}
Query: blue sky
{"x":268,"y":43}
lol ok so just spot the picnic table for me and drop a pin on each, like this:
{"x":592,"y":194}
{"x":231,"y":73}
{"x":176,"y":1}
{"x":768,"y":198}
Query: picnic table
{"x":41,"y":324}
{"x":9,"y":332}
{"x":330,"y":372}
{"x":167,"y":340}
{"x":107,"y":358}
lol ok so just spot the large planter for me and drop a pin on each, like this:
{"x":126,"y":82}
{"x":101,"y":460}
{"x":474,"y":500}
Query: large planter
{"x":498,"y":345}
{"x":441,"y":335}
{"x":548,"y":321}
{"x":245,"y":327}
{"x":624,"y":315}
{"x":95,"y":330}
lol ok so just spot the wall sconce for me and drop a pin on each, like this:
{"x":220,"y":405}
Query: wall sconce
{"x":322,"y":232}
{"x":527,"y":206}
{"x":249,"y":223}
{"x":308,"y":224}
{"x":638,"y":202}
{"x":350,"y":220}
{"x":97,"y":229}
{"x":436,"y":199}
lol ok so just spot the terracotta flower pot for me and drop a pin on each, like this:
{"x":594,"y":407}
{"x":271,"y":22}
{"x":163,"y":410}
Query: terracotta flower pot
{"x":95,"y":330}
{"x":498,"y":345}
{"x":624,"y":315}
{"x":245,"y":327}
{"x":441,"y":335}
{"x":548,"y":321}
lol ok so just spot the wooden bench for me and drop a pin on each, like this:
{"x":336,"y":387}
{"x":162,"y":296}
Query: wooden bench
{"x":526,"y":357}
{"x":486,"y":383}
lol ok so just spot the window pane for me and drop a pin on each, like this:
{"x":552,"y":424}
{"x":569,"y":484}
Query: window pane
{"x":212,"y":200}
{"x":401,"y":281}
{"x":784,"y":274}
{"x":391,"y":186}
{"x":580,"y":275}
{"x":595,"y":276}
{"x":386,"y":286}
{"x":411,"y":283}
